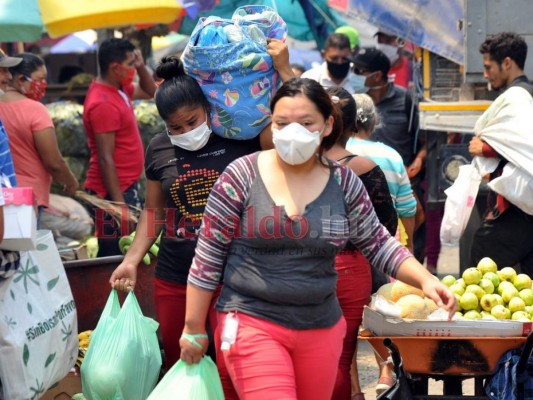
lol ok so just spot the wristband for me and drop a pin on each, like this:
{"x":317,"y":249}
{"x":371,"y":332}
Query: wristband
{"x":192,"y":338}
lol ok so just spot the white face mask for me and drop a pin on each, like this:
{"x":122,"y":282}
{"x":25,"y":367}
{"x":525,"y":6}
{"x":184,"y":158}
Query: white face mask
{"x":390,"y":51}
{"x":295,"y":144}
{"x":192,"y":140}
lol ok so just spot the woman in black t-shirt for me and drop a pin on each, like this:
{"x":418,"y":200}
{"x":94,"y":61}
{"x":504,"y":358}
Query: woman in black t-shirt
{"x":181,"y":166}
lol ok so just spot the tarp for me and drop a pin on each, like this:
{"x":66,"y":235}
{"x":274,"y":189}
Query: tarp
{"x":62,"y":17}
{"x":20,"y":21}
{"x":428,"y":24}
{"x":306,"y":19}
{"x":79,"y":42}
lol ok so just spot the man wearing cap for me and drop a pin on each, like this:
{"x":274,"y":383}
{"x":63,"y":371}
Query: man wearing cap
{"x":392,"y":46}
{"x":335,"y":70}
{"x":398,"y":123}
{"x":6,"y":63}
{"x":399,"y":116}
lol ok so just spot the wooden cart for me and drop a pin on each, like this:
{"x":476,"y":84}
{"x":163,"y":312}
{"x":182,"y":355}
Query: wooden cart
{"x":450,"y":359}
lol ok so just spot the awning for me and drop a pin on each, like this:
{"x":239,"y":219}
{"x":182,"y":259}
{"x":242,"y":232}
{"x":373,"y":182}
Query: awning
{"x":20,"y":21}
{"x":432,"y":25}
{"x":62,"y":17}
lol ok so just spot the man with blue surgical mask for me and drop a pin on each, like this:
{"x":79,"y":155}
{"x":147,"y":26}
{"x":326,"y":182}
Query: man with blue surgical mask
{"x":336,"y":68}
{"x":398,"y":116}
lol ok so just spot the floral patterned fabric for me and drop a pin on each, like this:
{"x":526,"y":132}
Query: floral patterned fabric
{"x":238,"y":78}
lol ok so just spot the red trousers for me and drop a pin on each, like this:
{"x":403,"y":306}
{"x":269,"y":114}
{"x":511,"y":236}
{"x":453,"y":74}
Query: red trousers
{"x":269,"y":361}
{"x":170,"y":300}
{"x":354,"y":286}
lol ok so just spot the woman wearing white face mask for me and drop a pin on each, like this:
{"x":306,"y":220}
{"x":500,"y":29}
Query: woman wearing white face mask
{"x":182,"y":164}
{"x":273,"y":224}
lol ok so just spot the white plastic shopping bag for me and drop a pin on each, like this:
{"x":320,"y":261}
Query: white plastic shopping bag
{"x":460,"y":201}
{"x":38,"y":324}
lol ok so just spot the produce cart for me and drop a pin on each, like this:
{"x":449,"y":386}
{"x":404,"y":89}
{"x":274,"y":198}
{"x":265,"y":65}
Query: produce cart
{"x":450,"y":359}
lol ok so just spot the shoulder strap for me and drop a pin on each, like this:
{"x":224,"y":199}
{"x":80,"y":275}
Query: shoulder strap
{"x":346,"y":159}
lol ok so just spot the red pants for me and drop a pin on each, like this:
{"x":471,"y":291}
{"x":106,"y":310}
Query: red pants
{"x":170,"y":311}
{"x":268,"y":361}
{"x":354,"y":286}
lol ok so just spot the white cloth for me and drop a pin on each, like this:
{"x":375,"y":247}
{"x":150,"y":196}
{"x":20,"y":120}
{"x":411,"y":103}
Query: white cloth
{"x":321,"y":75}
{"x":507,"y":126}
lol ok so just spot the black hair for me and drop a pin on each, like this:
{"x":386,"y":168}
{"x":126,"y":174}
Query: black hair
{"x":178,"y":89}
{"x":320,"y":98}
{"x":337,"y":41}
{"x":113,"y":50}
{"x":348,"y":110}
{"x":30,"y":63}
{"x":505,"y":44}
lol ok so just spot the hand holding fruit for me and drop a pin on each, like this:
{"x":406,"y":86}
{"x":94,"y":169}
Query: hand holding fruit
{"x":440,"y":294}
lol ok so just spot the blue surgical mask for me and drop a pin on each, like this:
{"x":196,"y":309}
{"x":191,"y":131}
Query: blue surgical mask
{"x":358,"y":83}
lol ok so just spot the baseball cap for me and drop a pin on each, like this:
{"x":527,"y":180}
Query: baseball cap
{"x":8,"y":62}
{"x":352,"y":34}
{"x":372,"y":60}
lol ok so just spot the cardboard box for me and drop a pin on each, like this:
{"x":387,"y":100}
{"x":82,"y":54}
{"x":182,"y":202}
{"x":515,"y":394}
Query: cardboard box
{"x":381,"y":325}
{"x":20,"y":223}
{"x":67,"y":387}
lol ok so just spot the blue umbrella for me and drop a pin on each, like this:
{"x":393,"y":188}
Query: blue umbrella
{"x":20,"y":21}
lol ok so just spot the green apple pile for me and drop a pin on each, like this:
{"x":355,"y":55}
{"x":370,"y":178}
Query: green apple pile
{"x":484,"y":292}
{"x":125,"y":243}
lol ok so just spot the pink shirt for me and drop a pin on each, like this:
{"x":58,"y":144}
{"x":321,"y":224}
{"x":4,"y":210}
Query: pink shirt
{"x":21,"y":119}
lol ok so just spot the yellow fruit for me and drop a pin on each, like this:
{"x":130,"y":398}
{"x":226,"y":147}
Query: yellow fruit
{"x":400,"y":289}
{"x":385,"y":290}
{"x":431,"y":305}
{"x":413,"y":307}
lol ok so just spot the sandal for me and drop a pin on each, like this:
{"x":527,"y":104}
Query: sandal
{"x":384,"y":383}
{"x":358,"y":396}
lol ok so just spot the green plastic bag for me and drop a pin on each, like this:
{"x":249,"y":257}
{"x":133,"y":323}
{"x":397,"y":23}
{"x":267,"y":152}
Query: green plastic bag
{"x":190,"y":382}
{"x":123,"y":359}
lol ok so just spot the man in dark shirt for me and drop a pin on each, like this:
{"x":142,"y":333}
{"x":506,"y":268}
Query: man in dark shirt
{"x":506,"y":234}
{"x":397,"y":128}
{"x":398,"y":118}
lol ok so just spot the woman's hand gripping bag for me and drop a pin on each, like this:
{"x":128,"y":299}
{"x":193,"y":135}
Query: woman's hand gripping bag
{"x":191,"y":382}
{"x":229,"y":60}
{"x":123,"y":359}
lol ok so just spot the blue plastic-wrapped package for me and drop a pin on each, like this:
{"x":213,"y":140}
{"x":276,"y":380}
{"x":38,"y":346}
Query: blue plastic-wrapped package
{"x":238,"y":77}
